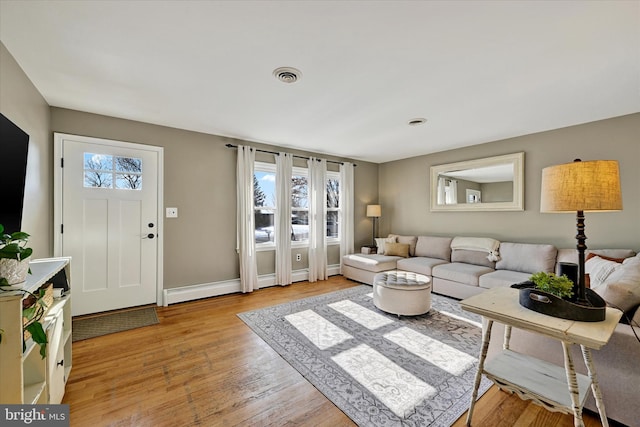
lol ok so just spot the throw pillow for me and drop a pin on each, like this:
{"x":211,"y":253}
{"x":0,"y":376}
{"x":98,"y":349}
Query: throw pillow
{"x":380,"y":242}
{"x":599,"y":269}
{"x":397,"y":249}
{"x":410,"y":240}
{"x":624,"y":296}
{"x":608,"y":258}
{"x":434,"y":247}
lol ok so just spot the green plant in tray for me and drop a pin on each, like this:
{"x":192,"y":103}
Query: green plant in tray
{"x":560,"y":286}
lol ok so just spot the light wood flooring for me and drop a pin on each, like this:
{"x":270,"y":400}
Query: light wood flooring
{"x":202,"y":366}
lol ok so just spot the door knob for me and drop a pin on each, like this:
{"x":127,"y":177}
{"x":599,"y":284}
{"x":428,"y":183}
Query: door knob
{"x":149,"y":236}
{"x":150,"y":225}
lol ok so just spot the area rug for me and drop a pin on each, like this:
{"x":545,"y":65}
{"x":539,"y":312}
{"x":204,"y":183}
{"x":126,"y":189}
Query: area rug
{"x":380,"y":370}
{"x":95,"y":326}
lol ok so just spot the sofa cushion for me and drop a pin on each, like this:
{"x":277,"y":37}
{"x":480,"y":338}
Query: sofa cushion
{"x":396,"y":249}
{"x":434,"y":247}
{"x":372,"y":262}
{"x":409,"y":240}
{"x":527,"y":257}
{"x":420,"y":265}
{"x":502,"y":279}
{"x":472,"y":257}
{"x":467,"y":274}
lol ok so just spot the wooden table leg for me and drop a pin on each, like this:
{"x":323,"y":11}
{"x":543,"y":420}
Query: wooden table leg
{"x":507,"y":337}
{"x":595,"y":386}
{"x":486,"y":337}
{"x":572,"y":381}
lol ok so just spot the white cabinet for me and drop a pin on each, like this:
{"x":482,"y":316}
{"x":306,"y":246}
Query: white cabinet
{"x":25,"y":376}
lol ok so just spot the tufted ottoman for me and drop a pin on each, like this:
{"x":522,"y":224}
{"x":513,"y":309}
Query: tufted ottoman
{"x":402,"y":292}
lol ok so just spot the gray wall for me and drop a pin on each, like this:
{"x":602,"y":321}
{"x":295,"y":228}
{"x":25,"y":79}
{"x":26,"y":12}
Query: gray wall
{"x":199,"y":173}
{"x":404,"y":189}
{"x":200,"y":181}
{"x":21,"y":103}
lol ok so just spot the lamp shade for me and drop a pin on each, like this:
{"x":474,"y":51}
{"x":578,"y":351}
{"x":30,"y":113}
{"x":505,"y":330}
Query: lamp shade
{"x":581,"y":186}
{"x":374,"y":211}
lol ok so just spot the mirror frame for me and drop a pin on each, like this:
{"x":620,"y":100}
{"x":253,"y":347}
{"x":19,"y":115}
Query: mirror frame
{"x":517,"y":203}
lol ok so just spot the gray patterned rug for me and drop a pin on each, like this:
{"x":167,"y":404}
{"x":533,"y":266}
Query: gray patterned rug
{"x":378,"y":369}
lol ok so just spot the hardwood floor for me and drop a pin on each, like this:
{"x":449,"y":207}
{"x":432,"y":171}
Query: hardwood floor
{"x":202,"y":366}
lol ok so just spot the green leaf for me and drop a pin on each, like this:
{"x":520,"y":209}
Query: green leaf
{"x":20,"y":235}
{"x":38,"y":336}
{"x":29,"y":312}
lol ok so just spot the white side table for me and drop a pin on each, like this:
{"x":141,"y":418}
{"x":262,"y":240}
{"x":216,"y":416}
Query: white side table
{"x":555,"y":388}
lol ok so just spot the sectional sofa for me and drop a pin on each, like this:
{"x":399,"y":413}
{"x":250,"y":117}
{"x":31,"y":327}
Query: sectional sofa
{"x":460,"y":267}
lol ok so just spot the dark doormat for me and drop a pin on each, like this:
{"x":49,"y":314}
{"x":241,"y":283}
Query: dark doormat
{"x":95,"y":326}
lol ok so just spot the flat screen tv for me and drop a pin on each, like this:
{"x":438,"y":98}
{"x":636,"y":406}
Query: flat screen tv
{"x":14,"y":147}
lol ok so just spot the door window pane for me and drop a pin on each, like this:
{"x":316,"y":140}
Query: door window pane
{"x":103,"y":171}
{"x":98,"y":162}
{"x":97,"y":179}
{"x":128,"y":181}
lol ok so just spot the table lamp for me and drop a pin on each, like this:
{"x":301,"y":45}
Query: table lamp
{"x":581,"y":187}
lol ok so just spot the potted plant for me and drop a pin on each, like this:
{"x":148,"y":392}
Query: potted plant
{"x":14,"y":267}
{"x":559,"y":286}
{"x":14,"y":263}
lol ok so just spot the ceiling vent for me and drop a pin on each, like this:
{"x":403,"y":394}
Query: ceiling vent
{"x":287,"y":74}
{"x":417,"y":122}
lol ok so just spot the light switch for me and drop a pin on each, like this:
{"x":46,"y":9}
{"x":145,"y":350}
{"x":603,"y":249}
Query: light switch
{"x":172,"y":213}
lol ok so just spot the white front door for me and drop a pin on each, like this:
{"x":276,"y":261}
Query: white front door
{"x":109,"y":222}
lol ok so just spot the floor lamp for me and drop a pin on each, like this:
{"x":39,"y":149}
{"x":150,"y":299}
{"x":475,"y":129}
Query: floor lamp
{"x":581,"y":187}
{"x":375,"y":212}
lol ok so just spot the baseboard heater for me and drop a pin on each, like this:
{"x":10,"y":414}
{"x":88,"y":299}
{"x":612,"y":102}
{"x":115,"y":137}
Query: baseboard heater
{"x":206,"y":290}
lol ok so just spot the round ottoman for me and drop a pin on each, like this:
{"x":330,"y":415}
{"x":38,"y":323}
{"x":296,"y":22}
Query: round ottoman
{"x":402,"y":292}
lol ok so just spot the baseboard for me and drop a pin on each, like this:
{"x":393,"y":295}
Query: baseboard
{"x":213,"y":289}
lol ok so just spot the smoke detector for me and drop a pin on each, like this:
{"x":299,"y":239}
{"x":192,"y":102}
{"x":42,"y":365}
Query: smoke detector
{"x":287,"y":74}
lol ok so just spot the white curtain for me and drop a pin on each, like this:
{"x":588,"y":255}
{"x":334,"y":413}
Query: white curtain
{"x":317,"y":219}
{"x":441,"y":197}
{"x":284,"y":167}
{"x":346,"y":206}
{"x":246,"y":243}
{"x":452,"y":194}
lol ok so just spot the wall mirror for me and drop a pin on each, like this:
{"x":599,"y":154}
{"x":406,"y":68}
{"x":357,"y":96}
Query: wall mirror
{"x":489,"y":184}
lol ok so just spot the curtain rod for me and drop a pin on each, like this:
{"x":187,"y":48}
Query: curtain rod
{"x":294,"y":155}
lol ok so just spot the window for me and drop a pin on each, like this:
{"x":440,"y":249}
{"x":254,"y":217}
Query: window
{"x":264,"y":201}
{"x":333,"y":206}
{"x":103,"y":171}
{"x":299,"y":205}
{"x":264,"y":196}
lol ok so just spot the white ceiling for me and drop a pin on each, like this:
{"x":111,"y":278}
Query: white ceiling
{"x":478,"y":71}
